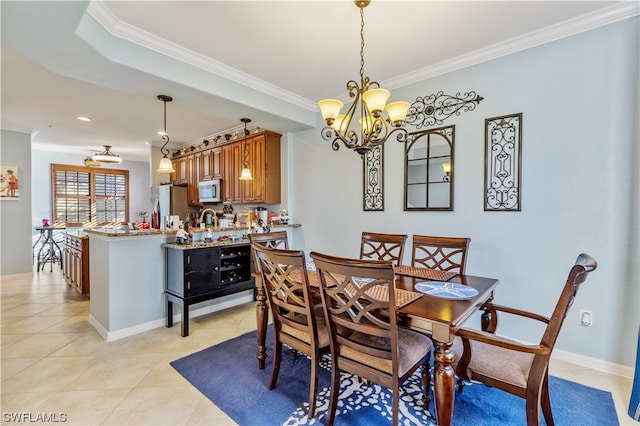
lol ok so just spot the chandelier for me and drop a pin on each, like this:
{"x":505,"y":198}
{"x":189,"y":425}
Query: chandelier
{"x":165,"y":165}
{"x":369,"y":100}
{"x":107,"y":156}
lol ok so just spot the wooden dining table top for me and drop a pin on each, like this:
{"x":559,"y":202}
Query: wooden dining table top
{"x":450,"y":313}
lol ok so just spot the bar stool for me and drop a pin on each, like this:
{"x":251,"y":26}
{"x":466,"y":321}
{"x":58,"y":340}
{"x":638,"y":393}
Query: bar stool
{"x":50,"y":250}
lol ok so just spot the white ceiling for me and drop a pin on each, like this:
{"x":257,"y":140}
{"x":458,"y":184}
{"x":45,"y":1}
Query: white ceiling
{"x":222,"y":60}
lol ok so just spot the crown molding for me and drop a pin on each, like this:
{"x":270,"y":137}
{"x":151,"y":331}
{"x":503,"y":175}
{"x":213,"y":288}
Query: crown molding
{"x":110,"y":22}
{"x":103,"y":16}
{"x":564,"y":29}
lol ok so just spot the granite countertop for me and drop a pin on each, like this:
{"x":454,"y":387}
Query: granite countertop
{"x":203,"y":244}
{"x":115,"y":232}
{"x":112,"y":232}
{"x":77,"y":234}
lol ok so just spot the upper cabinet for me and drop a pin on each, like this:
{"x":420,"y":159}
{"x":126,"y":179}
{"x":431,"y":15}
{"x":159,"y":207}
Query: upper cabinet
{"x":194,"y":163}
{"x":211,"y":164}
{"x":264,"y":161}
{"x":180,"y":177}
{"x":259,"y":151}
{"x":231,"y":167}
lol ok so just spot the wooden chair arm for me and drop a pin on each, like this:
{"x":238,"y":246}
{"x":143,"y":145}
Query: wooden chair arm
{"x":503,"y":342}
{"x":518,"y":312}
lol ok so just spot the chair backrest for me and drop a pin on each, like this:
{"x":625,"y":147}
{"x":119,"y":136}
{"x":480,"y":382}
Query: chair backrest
{"x":269,"y":239}
{"x":577,"y":275}
{"x":374,"y":246}
{"x":284,"y":276}
{"x":440,"y":253}
{"x":359,"y":301}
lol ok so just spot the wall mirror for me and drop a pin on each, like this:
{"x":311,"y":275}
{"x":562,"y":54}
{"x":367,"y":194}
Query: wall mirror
{"x":429,"y":169}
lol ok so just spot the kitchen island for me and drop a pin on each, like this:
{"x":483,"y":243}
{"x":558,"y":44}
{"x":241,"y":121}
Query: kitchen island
{"x":127,"y":272}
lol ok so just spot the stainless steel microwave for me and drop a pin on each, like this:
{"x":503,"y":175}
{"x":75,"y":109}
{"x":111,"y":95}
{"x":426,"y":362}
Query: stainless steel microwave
{"x":209,"y":191}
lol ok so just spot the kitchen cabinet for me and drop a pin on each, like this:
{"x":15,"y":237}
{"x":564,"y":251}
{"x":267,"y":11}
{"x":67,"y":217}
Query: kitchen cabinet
{"x":232,"y":166}
{"x":260,"y":151}
{"x":180,"y":176}
{"x":216,"y":163}
{"x":194,"y":175}
{"x":264,"y":162}
{"x":211,"y":164}
{"x":75,"y":265}
{"x":194,"y":275}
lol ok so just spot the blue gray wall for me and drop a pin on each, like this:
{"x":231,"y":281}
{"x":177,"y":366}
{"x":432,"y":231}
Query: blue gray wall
{"x":579,"y":99}
{"x":15,"y":215}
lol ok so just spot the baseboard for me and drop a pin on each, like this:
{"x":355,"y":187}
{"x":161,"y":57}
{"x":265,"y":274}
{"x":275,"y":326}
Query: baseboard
{"x":593,"y":363}
{"x":20,"y":275}
{"x":225,"y":303}
{"x":99,"y":328}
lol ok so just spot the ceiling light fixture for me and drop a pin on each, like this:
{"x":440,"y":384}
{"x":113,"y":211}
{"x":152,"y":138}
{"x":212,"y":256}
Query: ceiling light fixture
{"x":83,"y":118}
{"x":245,"y":174}
{"x":107,"y":156}
{"x":374,"y":129}
{"x":89,"y":162}
{"x":165,"y":165}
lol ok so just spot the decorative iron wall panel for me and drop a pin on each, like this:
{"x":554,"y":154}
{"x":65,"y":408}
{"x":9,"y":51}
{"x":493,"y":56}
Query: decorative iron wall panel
{"x":503,"y":143}
{"x":373,"y":179}
{"x":434,"y":109}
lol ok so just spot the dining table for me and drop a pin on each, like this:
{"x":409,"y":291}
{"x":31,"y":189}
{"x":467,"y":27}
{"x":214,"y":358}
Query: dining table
{"x":435,"y":313}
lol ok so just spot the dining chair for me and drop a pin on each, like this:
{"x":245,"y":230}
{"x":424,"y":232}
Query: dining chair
{"x":359,"y":301}
{"x":296,"y":323}
{"x":440,"y":253}
{"x":521,"y":369}
{"x":377,"y":246}
{"x":268,"y":239}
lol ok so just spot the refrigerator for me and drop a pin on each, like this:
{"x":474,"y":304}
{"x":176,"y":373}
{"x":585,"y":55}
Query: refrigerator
{"x":169,"y":201}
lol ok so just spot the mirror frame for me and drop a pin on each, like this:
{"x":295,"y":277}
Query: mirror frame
{"x":448,"y":134}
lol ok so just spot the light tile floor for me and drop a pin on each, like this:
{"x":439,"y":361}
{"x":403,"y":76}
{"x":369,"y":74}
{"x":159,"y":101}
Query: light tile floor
{"x":55,"y":364}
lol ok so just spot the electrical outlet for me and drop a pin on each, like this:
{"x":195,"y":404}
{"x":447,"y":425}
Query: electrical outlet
{"x":586,"y":317}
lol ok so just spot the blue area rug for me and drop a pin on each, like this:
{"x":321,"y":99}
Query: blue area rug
{"x":228,"y":375}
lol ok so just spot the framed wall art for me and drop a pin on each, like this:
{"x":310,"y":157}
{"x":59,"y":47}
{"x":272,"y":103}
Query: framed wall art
{"x":9,"y":184}
{"x":502,"y":155}
{"x":373,"y":179}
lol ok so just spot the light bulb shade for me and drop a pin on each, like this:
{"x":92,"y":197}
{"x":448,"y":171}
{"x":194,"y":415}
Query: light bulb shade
{"x":107,"y":156}
{"x":367,"y":124}
{"x":340,"y":123}
{"x":375,"y":99}
{"x":397,"y":111}
{"x":166,"y":166}
{"x":446,"y":167}
{"x":245,"y":174}
{"x":330,"y":108}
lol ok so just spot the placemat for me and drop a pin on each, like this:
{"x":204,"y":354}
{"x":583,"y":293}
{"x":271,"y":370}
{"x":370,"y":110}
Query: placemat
{"x":446,"y":290}
{"x":430,"y":274}
{"x":379,"y":292}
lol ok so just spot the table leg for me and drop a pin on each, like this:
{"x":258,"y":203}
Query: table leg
{"x":261,"y":319}
{"x":169,"y":313}
{"x":58,"y":256}
{"x":42,"y":261}
{"x":185,"y":319}
{"x":489,"y":319}
{"x":443,"y":383}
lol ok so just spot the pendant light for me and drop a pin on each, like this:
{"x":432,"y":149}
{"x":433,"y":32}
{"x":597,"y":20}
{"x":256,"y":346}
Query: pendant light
{"x":107,"y":156}
{"x":165,"y":163}
{"x":246,"y":172}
